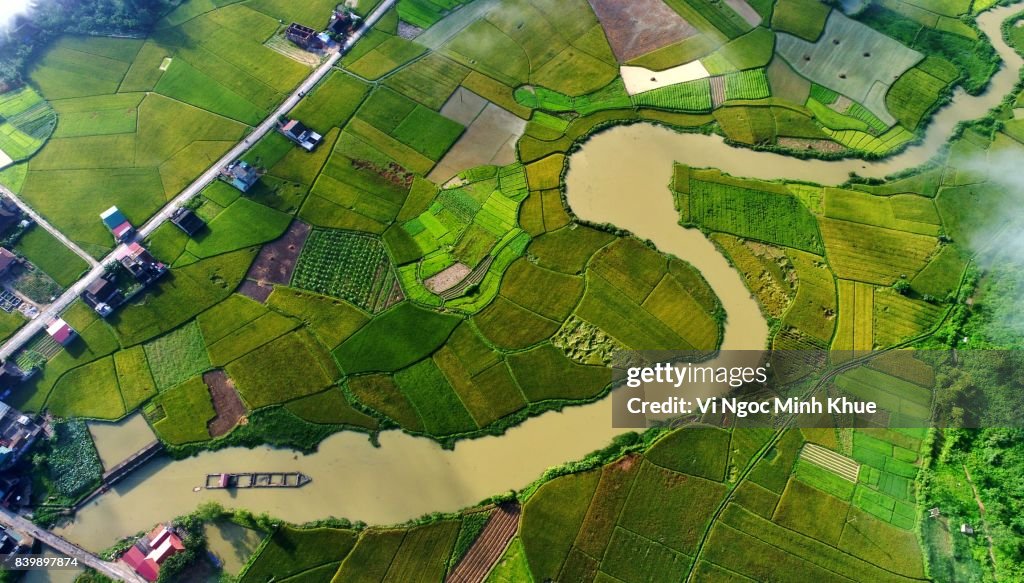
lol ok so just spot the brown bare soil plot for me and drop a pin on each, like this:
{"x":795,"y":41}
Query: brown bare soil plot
{"x":448,"y":278}
{"x":277,"y":259}
{"x":637,"y":27}
{"x":255,"y":290}
{"x":226,"y":402}
{"x":488,"y":547}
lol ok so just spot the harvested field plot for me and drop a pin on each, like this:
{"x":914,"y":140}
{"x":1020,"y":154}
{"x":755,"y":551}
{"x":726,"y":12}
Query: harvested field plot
{"x":489,"y":139}
{"x":640,"y":27}
{"x":276,"y":260}
{"x":853,"y":59}
{"x":226,"y":403}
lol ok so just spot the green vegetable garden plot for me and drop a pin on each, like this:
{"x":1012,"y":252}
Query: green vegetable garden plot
{"x":874,"y":254}
{"x":752,"y":84}
{"x":434,"y":399}
{"x":689,"y":96}
{"x":294,"y":365}
{"x":345,"y":265}
{"x":551,"y":519}
{"x":754,"y":214}
{"x":177,"y":356}
{"x":395,"y":339}
{"x":186,"y":409}
{"x":896,"y":137}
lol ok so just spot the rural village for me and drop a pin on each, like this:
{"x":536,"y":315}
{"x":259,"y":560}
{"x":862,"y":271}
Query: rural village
{"x":328,"y":292}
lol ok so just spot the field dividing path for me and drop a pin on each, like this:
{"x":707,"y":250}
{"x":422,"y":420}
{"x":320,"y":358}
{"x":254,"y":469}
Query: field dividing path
{"x":26,"y":332}
{"x":116,"y":571}
{"x":49,"y":228}
{"x":478,"y":561}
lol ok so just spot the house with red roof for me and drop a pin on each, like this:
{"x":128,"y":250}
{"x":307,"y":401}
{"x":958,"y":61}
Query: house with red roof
{"x":60,"y":331}
{"x":150,"y":551}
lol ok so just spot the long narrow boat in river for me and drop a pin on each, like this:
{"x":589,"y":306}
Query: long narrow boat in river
{"x":256,"y":480}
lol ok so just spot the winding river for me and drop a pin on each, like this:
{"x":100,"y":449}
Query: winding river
{"x":620,"y":176}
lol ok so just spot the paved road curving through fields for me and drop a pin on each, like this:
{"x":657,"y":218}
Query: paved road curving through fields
{"x":30,"y":329}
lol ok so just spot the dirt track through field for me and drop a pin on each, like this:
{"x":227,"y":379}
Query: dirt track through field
{"x":488,"y":547}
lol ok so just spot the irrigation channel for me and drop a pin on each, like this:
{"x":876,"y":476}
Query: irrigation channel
{"x":620,"y":176}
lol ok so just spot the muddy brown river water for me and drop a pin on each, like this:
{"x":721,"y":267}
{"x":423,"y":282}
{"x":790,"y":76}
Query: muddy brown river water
{"x":620,"y":176}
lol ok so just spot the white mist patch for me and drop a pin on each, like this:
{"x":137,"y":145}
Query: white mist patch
{"x":9,"y":9}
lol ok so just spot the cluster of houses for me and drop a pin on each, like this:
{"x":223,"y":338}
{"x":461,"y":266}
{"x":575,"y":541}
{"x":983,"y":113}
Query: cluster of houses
{"x":105,"y":293}
{"x":342,"y":22}
{"x":148,"y":553}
